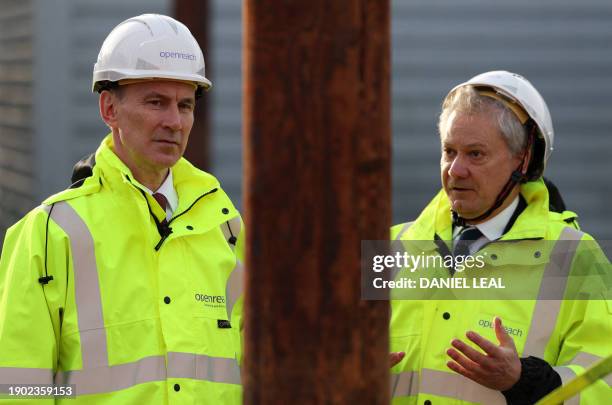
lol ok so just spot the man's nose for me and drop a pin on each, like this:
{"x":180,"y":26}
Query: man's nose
{"x":172,"y":118}
{"x":458,"y":168}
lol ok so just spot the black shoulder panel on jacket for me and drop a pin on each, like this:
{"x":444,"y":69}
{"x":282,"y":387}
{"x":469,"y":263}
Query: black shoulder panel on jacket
{"x":82,"y":170}
{"x":555,"y":201}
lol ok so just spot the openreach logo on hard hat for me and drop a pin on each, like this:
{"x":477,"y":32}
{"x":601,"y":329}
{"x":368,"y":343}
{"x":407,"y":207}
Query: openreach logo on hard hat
{"x":177,"y":55}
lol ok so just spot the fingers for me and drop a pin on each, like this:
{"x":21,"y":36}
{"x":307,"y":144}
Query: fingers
{"x":457,"y":368}
{"x":489,"y":347}
{"x":474,"y":370}
{"x":471,"y":353}
{"x":395,"y":357}
{"x":465,"y":366}
{"x":463,"y":361}
{"x":502,"y":336}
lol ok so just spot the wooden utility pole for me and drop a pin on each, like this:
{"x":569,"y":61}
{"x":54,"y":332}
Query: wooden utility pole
{"x":317,"y":138}
{"x":194,"y":14}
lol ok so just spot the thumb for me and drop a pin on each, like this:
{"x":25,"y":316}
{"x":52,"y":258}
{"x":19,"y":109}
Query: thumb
{"x":395,"y":357}
{"x":502,"y":336}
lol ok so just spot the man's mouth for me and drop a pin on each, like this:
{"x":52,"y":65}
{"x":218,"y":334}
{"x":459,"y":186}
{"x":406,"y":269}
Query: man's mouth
{"x":166,"y":141}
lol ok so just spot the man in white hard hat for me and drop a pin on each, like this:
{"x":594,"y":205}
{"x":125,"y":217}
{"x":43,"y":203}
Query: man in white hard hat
{"x":125,"y":287}
{"x":524,"y":338}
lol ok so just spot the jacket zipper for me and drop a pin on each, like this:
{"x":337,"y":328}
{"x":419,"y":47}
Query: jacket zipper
{"x":167,"y":233}
{"x":163,"y":228}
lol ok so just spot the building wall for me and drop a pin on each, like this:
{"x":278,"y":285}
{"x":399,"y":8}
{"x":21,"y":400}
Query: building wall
{"x":16,"y":131}
{"x":225,"y":63}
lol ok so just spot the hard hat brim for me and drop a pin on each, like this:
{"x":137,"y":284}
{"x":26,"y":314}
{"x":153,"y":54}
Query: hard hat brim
{"x":124,"y":74}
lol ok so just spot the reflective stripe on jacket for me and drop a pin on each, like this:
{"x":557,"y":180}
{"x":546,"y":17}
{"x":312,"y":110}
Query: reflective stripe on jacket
{"x":122,"y":321}
{"x":569,"y":334}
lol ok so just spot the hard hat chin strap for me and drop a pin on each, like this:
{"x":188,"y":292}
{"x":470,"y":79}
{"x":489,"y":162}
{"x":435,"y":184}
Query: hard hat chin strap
{"x":518,"y":176}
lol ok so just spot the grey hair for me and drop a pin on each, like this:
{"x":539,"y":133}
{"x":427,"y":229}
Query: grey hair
{"x":467,"y":100}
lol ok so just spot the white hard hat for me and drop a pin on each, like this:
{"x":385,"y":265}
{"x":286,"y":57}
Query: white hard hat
{"x":518,"y":89}
{"x":150,"y":46}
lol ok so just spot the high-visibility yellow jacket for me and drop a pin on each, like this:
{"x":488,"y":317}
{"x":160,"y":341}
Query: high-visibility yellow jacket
{"x":569,"y":334}
{"x":121,"y":321}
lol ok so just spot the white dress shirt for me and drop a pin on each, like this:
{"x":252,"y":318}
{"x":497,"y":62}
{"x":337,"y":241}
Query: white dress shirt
{"x":491,"y":229}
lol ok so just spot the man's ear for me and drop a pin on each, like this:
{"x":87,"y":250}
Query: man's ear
{"x":108,"y":103}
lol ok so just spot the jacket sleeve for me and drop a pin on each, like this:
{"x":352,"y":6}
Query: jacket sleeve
{"x":585,"y":322}
{"x":537,"y":379}
{"x":29,"y":310}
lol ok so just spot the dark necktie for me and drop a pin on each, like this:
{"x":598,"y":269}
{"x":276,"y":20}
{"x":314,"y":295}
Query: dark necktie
{"x":163,"y":202}
{"x":466,"y":238}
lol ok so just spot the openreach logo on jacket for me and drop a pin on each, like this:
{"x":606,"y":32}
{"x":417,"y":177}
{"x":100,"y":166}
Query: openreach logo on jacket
{"x":485,"y":323}
{"x":211,"y":301}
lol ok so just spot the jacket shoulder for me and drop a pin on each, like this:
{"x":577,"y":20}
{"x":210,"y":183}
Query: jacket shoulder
{"x":397,"y":231}
{"x":30,"y":226}
{"x":90,"y":185}
{"x":565,"y":218}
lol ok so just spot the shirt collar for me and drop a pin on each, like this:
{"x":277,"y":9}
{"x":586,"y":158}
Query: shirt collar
{"x":493,"y":228}
{"x":168,"y":190}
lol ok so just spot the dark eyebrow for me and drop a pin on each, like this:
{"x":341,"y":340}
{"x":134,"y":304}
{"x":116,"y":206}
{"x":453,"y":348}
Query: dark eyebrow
{"x":468,"y":146}
{"x":153,"y":94}
{"x":190,"y":100}
{"x":476,"y":145}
